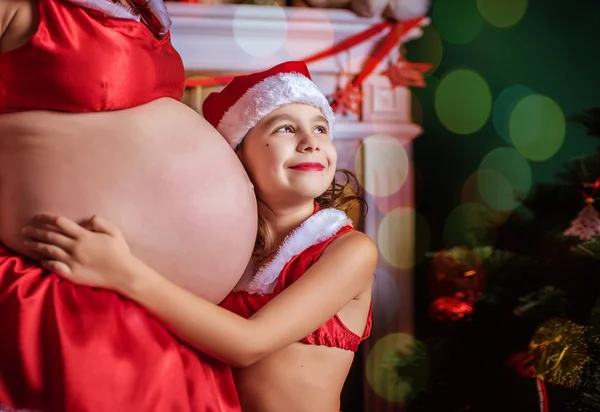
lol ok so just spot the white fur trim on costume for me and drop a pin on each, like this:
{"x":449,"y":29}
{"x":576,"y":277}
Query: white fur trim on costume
{"x":108,"y":8}
{"x":266,"y":96}
{"x":319,"y":227}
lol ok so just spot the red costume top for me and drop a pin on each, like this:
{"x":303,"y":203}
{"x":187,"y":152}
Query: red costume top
{"x":69,"y":348}
{"x":83,"y":60}
{"x":300,"y":250}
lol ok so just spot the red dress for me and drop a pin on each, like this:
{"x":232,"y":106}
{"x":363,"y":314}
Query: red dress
{"x":69,"y":348}
{"x":300,"y":250}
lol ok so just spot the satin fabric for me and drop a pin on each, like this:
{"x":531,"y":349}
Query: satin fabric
{"x":71,"y":348}
{"x":81,"y":60}
{"x":152,"y":12}
{"x":154,"y":15}
{"x":333,"y":333}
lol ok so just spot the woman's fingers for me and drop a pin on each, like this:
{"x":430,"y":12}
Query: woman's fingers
{"x":52,"y":252}
{"x":57,"y":267}
{"x":101,"y":225}
{"x":66,"y":226}
{"x":48,"y":236}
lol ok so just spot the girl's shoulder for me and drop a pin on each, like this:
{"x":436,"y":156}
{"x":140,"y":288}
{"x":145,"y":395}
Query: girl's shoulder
{"x":335,"y":231}
{"x":351,"y":241}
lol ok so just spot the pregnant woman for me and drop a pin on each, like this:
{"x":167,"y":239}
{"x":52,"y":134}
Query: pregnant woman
{"x":90,"y":122}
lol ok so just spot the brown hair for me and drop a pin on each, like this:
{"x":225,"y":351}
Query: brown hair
{"x":343,"y":196}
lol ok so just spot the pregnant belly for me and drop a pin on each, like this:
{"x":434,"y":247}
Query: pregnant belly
{"x":160,"y":172}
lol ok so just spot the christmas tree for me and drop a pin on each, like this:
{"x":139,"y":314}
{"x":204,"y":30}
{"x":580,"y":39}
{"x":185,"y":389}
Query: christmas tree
{"x":515,"y":327}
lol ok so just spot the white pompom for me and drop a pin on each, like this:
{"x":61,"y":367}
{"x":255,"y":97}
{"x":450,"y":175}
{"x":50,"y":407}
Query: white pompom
{"x":407,"y":9}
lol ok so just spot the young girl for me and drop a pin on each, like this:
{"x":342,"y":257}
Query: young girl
{"x":304,"y":304}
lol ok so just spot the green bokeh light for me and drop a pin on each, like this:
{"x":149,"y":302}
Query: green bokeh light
{"x":463,"y":101}
{"x":457,"y":21}
{"x":398,"y":225}
{"x":502,"y":13}
{"x":427,"y":94}
{"x":422,"y":237}
{"x":504,"y":178}
{"x":424,"y":111}
{"x":416,"y":109}
{"x":469,"y":224}
{"x":496,"y":190}
{"x":398,"y":367}
{"x":504,"y":105}
{"x":428,"y":48}
{"x":537,"y":127}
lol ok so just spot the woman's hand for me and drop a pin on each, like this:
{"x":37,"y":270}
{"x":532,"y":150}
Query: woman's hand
{"x":92,"y":254}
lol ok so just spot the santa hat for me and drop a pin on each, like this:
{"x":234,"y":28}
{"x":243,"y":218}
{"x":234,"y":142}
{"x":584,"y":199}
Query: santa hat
{"x":247,"y":99}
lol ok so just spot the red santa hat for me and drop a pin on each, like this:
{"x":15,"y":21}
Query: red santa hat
{"x":247,"y":99}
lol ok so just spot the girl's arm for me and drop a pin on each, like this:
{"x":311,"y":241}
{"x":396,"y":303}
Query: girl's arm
{"x":344,"y":270}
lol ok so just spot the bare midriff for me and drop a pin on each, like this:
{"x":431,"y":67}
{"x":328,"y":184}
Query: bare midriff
{"x":298,"y":378}
{"x":159,"y":171}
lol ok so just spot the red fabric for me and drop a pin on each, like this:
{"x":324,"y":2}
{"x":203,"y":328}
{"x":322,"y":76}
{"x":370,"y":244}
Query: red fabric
{"x":70,"y":348}
{"x":217,"y":104}
{"x":333,"y":333}
{"x":82,"y":61}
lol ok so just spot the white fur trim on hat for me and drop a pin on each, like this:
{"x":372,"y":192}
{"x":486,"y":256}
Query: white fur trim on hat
{"x":319,"y":227}
{"x":260,"y":100}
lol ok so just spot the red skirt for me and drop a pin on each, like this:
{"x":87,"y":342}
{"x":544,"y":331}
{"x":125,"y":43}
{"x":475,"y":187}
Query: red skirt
{"x":71,"y":348}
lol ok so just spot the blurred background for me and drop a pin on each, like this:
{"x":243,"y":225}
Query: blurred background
{"x":473,"y":126}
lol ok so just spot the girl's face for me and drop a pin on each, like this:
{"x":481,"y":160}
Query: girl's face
{"x":289,"y":155}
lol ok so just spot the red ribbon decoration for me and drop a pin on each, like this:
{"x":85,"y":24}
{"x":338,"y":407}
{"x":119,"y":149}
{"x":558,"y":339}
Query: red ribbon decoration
{"x":350,"y":42}
{"x":347,"y":100}
{"x":405,"y":73}
{"x":591,"y":197}
{"x":521,"y":362}
{"x":372,"y":62}
{"x":542,"y":395}
{"x":398,"y":29}
{"x":392,"y":39}
{"x":342,"y":46}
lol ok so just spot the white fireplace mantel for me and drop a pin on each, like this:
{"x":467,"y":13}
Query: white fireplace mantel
{"x":211,"y":37}
{"x":218,"y":40}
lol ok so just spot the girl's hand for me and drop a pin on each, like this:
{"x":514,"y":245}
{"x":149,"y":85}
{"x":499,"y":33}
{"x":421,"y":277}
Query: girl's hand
{"x":93,"y":254}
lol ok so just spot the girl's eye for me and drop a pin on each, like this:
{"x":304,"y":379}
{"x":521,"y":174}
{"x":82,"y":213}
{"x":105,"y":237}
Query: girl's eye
{"x":321,"y":129}
{"x":286,"y":129}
